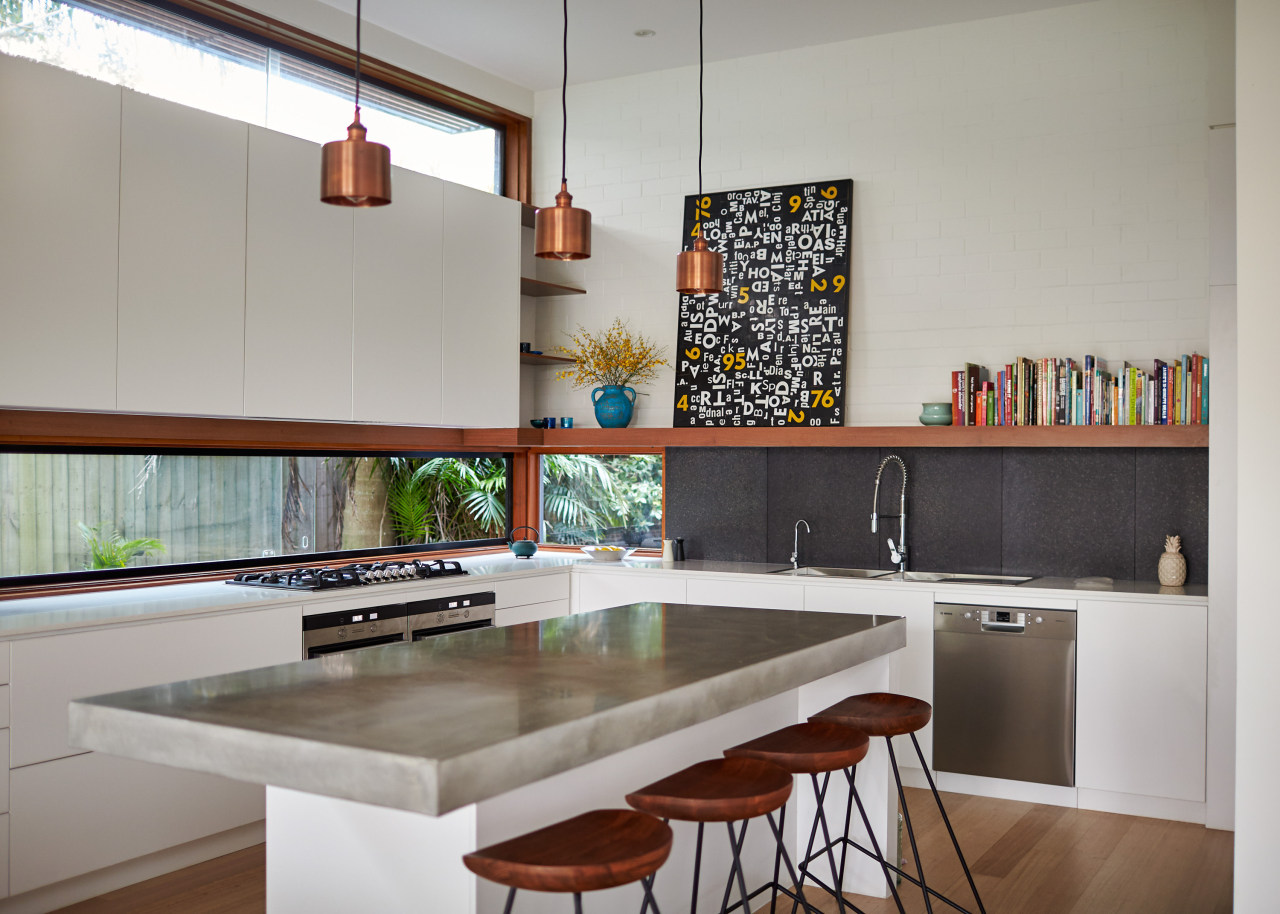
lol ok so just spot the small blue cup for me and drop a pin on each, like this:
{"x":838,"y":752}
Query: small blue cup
{"x":551,"y":421}
{"x":566,"y":421}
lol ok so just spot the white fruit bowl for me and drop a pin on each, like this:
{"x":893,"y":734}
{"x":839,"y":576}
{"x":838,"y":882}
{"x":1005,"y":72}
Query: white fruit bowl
{"x":607,"y":553}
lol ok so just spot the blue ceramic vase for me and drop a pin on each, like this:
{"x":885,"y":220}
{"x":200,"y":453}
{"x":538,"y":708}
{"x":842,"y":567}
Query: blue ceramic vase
{"x":613,"y":405}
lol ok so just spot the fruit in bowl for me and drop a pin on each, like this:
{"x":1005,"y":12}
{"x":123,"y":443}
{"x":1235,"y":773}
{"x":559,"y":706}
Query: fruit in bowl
{"x":607,"y":553}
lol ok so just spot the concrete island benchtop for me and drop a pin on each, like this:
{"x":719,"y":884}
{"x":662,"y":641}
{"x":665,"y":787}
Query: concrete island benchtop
{"x":437,"y":725}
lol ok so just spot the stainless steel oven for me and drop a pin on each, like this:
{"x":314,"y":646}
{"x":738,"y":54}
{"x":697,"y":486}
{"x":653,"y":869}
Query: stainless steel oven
{"x":456,"y":613}
{"x":352,"y":629}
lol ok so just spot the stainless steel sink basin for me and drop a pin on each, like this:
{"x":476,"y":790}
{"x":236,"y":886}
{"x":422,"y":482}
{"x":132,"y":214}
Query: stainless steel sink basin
{"x":814,"y":571}
{"x":941,"y":577}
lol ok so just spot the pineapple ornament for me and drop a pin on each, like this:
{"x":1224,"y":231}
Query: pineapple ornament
{"x":1173,"y":564}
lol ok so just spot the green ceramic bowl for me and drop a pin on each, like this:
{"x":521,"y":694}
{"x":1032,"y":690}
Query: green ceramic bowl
{"x":935,"y":414}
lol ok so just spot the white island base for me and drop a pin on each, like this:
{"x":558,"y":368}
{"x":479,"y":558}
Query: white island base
{"x":335,"y":855}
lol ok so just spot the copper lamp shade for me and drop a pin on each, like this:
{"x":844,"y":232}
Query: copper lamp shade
{"x":562,"y":232}
{"x":700,"y":271}
{"x":355,"y":172}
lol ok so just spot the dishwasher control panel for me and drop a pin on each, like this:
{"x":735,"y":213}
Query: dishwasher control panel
{"x":1039,"y":623}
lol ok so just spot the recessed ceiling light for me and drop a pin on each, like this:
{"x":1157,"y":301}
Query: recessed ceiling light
{"x":645,"y":33}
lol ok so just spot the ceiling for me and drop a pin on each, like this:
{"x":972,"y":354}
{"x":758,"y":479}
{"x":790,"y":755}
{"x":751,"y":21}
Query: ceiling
{"x":520,"y":40}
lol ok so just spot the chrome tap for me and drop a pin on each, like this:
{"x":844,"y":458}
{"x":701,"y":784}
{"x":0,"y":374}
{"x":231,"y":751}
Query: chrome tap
{"x":795,"y":546}
{"x":899,"y":552}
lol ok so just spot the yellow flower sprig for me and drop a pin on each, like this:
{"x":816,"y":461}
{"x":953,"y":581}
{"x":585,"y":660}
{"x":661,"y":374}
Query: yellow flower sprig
{"x":612,"y":356}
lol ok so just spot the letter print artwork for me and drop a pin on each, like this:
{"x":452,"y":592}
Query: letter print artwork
{"x":769,"y":349}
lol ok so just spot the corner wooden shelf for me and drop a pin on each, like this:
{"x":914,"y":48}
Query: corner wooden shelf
{"x":536,"y":288}
{"x":529,"y":358}
{"x":884,"y":436}
{"x":527,"y":213}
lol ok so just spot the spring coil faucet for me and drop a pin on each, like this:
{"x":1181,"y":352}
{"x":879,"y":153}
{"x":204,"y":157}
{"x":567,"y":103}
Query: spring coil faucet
{"x":897,"y":553}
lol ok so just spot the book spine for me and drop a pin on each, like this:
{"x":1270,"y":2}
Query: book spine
{"x":991,"y":403}
{"x":957,"y":398}
{"x":1204,"y":391}
{"x":980,"y":416}
{"x":1195,"y":389}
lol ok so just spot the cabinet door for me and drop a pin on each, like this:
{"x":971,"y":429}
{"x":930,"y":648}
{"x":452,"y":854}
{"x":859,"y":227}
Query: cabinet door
{"x":915,"y":661}
{"x":1140,"y":698}
{"x":603,"y":589}
{"x":298,"y":274}
{"x":396,"y":347}
{"x":182,"y":252}
{"x":481,"y":335}
{"x":59,"y":234}
{"x":75,"y":815}
{"x":762,"y":594}
{"x":539,"y":588}
{"x":532,"y":612}
{"x":50,"y":672}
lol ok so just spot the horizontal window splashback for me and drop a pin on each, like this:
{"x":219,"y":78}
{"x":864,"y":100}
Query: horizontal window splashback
{"x":1069,"y":512}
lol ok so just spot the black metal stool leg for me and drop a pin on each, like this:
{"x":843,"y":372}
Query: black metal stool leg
{"x":875,"y":845}
{"x":577,"y":903}
{"x":736,"y":847}
{"x":646,"y":884}
{"x":954,"y":842}
{"x":511,"y":899}
{"x":797,"y":897}
{"x":697,"y":867}
{"x":906,"y":815}
{"x":836,"y":890}
{"x":777,"y":861}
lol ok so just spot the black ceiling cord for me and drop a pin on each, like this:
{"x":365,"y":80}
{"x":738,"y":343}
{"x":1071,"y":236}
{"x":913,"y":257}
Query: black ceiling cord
{"x":564,"y":103}
{"x":359,"y":17}
{"x":700,"y":68}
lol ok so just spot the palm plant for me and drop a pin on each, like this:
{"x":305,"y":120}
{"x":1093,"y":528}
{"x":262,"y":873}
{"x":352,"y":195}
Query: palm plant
{"x":111,"y":550}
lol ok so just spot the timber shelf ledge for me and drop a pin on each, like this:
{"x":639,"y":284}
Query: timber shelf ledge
{"x":885,"y":436}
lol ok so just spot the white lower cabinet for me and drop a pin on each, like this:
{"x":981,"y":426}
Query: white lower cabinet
{"x":763,"y":594}
{"x":618,"y":588}
{"x":531,"y":612}
{"x":4,"y":855}
{"x":79,"y":814}
{"x":915,"y":661}
{"x":1140,"y":698}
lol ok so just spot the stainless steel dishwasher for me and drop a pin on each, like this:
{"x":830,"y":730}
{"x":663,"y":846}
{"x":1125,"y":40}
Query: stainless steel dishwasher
{"x":1004,"y":687}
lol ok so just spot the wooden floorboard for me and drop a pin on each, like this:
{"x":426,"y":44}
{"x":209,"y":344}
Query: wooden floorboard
{"x":1025,"y":858}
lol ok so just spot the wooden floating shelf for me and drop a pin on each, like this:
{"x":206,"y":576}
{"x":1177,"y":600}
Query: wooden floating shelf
{"x":527,"y":213}
{"x":530,"y":358}
{"x":536,"y":288}
{"x":885,"y":436}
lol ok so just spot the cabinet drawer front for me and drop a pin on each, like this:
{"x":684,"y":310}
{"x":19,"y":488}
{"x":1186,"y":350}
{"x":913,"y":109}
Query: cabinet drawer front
{"x":601,"y":590}
{"x":50,"y":672}
{"x":534,"y":612}
{"x":4,"y":706}
{"x":4,"y":775}
{"x":4,"y":662}
{"x":537,"y":589}
{"x":79,"y":814}
{"x":751,"y":594}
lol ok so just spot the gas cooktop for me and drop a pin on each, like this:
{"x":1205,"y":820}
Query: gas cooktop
{"x":356,"y":575}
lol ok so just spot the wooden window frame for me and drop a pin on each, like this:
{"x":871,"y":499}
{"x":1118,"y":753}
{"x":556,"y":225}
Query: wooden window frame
{"x":517,"y":128}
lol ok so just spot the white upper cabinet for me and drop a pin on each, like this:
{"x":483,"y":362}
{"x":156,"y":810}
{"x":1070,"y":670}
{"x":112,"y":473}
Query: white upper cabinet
{"x":481,"y":308}
{"x":59,"y":200}
{"x":182,"y":255}
{"x":396,"y":349}
{"x":298,"y":277}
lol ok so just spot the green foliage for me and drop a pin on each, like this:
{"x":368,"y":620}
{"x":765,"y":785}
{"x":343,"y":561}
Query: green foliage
{"x":584,"y":495}
{"x":445,"y":499}
{"x":112,"y":550}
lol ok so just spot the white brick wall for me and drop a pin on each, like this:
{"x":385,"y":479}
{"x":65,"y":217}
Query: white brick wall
{"x":1028,"y":185}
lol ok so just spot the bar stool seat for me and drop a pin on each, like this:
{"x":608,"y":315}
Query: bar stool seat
{"x":596,"y":850}
{"x":879,"y":713}
{"x":717,"y":790}
{"x":811,"y":748}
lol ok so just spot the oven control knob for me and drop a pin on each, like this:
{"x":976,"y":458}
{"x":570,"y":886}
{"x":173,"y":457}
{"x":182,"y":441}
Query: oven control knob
{"x":373,"y":627}
{"x":466,"y":614}
{"x":439,"y":617}
{"x":968,"y":615}
{"x":342,"y":633}
{"x":1039,"y":619}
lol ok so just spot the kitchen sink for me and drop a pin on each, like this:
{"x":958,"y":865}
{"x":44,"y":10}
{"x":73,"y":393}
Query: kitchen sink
{"x":815,"y":571}
{"x":939,"y":577}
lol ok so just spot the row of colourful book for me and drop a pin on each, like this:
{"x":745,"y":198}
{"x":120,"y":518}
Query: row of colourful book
{"x":1067,"y":392}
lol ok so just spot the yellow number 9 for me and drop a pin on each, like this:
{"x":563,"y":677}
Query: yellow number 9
{"x":795,"y":203}
{"x":837,"y":283}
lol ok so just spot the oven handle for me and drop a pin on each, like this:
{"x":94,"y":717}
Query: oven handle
{"x":423,"y":634}
{"x":341,"y":646}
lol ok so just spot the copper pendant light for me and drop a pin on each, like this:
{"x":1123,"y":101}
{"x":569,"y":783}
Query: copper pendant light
{"x":563,"y":232}
{"x":355,"y":172}
{"x":700,"y":271}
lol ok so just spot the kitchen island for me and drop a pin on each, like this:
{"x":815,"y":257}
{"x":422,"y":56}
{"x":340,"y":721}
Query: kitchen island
{"x":384,"y":766}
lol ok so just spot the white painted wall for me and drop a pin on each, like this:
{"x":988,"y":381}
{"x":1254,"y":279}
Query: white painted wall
{"x":1025,"y":185}
{"x":1258,"y":674}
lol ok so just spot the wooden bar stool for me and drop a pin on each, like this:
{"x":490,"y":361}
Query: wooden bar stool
{"x":725,"y":790}
{"x":596,"y":850}
{"x":819,"y":748}
{"x":887,"y":714}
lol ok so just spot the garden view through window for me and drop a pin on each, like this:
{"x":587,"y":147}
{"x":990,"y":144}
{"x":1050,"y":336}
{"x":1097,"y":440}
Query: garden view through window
{"x":76,"y":512}
{"x":602,"y":498}
{"x":149,"y":49}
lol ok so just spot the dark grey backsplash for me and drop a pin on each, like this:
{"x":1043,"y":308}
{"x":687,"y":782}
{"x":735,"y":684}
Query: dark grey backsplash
{"x":1035,"y":511}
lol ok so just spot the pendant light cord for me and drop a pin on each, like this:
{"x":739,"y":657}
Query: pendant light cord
{"x":358,"y":17}
{"x":700,"y":69}
{"x":564,"y":102}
